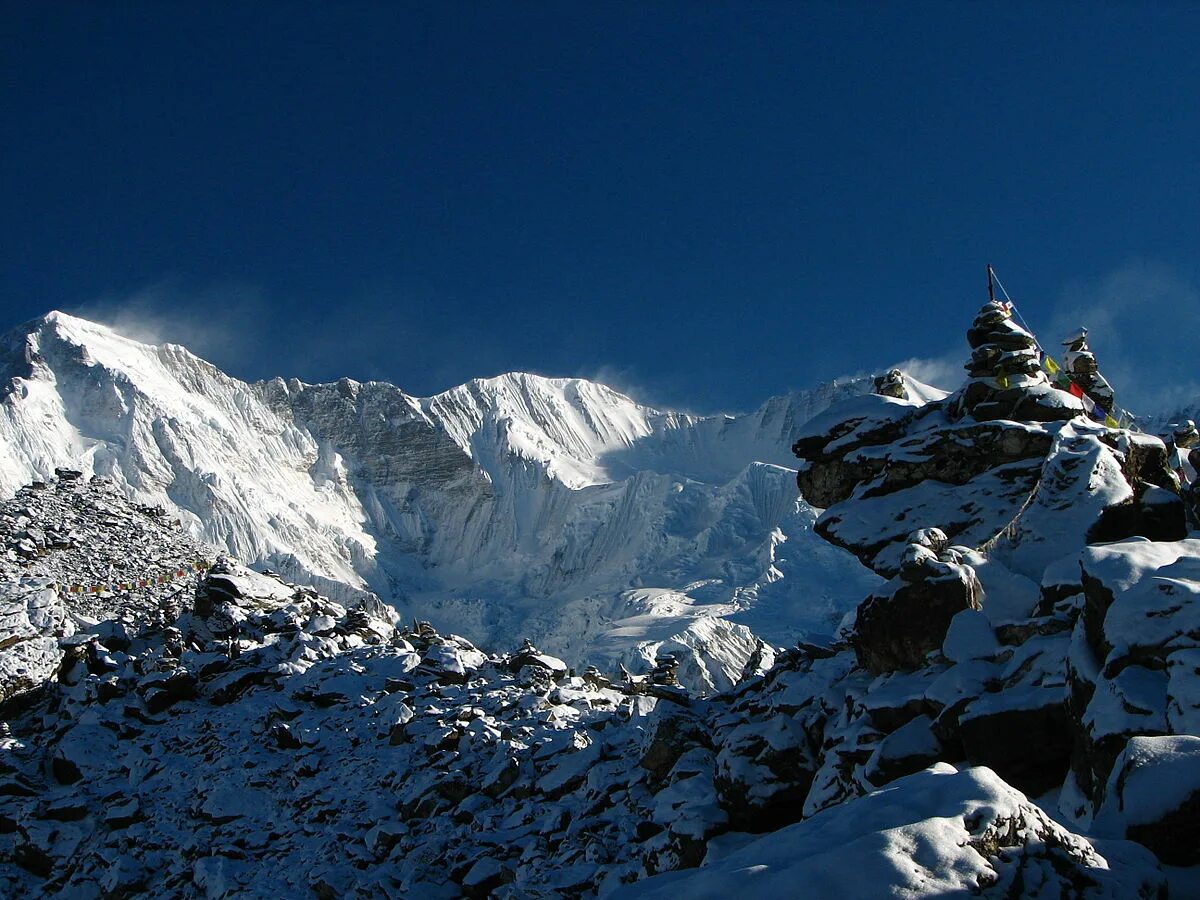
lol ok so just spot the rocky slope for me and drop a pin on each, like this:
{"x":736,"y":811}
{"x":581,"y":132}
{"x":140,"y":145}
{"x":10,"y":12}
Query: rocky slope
{"x":269,"y":741}
{"x":508,"y":507}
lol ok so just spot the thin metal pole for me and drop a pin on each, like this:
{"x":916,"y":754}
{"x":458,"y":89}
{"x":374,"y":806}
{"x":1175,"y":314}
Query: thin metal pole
{"x":991,"y":286}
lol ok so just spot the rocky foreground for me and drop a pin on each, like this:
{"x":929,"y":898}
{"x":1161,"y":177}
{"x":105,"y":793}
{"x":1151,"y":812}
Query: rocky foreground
{"x":272,"y":742}
{"x":1015,"y":712}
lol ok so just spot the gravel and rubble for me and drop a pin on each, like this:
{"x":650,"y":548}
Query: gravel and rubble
{"x":77,"y":553}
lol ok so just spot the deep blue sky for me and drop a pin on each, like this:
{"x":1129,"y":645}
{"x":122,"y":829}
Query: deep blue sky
{"x":705,"y":203}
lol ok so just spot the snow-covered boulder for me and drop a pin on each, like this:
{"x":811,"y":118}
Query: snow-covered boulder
{"x":901,"y":623}
{"x":940,"y":832}
{"x":1134,"y":660}
{"x":1153,"y":797}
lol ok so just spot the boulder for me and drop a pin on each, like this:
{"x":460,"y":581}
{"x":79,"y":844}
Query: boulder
{"x":909,"y":749}
{"x":32,"y":620}
{"x":1025,"y":738}
{"x":940,"y":832}
{"x":899,"y":625}
{"x":1153,"y":797}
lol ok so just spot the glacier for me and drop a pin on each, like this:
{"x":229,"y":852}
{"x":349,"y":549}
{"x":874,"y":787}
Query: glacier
{"x":556,"y":509}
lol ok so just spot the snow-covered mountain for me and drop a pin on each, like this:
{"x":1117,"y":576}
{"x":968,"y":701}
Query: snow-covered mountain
{"x":557,"y":509}
{"x":1013,"y":713}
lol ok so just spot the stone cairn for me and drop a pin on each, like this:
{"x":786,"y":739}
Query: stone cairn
{"x":665,"y":671}
{"x":1005,"y":359}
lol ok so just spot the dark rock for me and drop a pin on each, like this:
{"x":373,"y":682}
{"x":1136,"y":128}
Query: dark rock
{"x":284,"y":737}
{"x":1030,"y":748}
{"x":764,"y":772}
{"x":228,"y":687}
{"x":904,"y":621}
{"x":15,"y":787}
{"x":123,"y":815}
{"x":64,"y":770}
{"x":671,"y":733}
{"x":33,"y":859}
{"x":501,"y":778}
{"x":1155,"y":513}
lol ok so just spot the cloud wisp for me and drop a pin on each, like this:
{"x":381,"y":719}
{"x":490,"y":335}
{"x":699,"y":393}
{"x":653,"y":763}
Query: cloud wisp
{"x":944,"y":372}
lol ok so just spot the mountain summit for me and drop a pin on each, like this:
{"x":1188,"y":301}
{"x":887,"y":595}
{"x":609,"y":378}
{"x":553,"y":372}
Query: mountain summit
{"x":508,"y":507}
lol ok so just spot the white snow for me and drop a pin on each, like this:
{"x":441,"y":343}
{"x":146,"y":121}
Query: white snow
{"x":509,"y":507}
{"x":912,"y":838}
{"x":1152,"y":777}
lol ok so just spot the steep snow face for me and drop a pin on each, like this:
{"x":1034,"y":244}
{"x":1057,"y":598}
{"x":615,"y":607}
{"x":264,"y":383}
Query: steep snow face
{"x":172,"y":429}
{"x":507,"y":507}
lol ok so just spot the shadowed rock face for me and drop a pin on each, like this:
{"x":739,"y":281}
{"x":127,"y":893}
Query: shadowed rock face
{"x":379,"y":429}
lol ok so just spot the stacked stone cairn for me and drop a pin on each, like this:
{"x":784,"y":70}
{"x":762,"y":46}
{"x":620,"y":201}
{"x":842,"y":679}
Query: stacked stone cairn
{"x":665,"y":671}
{"x":1004,"y":361}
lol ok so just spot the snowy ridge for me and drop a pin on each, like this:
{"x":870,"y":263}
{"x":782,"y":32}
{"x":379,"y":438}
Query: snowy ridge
{"x":563,"y":425}
{"x":507,"y":507}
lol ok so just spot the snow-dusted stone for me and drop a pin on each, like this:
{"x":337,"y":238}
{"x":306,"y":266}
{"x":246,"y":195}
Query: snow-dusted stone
{"x":1153,"y":797}
{"x":485,"y":876}
{"x":1133,"y":658}
{"x":764,"y":772}
{"x":941,"y":476}
{"x":452,"y":660}
{"x":898,"y":697}
{"x":899,"y":625}
{"x":530,"y":657}
{"x":1014,"y":719}
{"x":1061,"y":581}
{"x":940,"y":832}
{"x":826,"y":441}
{"x":671,"y":731}
{"x":970,"y":636}
{"x":907,"y":750}
{"x":1183,"y":692}
{"x":83,"y":752}
{"x":1154,"y":512}
{"x":1143,"y":599}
